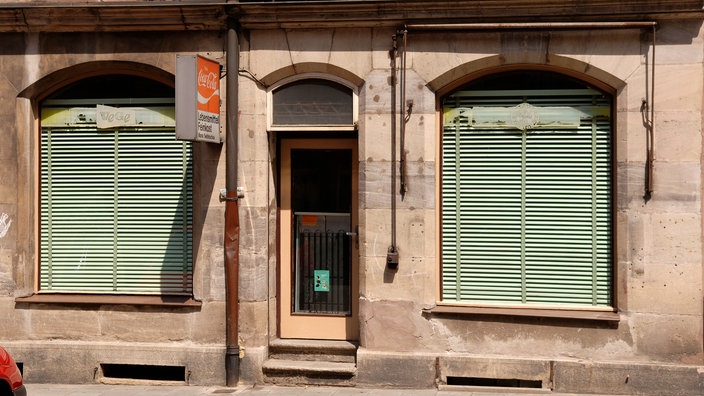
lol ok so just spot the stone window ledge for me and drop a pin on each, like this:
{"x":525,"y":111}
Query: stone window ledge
{"x":559,"y":313}
{"x":110,"y":299}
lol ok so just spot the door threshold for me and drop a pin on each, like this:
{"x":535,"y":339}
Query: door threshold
{"x":314,"y":343}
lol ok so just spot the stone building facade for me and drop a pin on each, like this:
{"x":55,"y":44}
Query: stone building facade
{"x":506,"y":194}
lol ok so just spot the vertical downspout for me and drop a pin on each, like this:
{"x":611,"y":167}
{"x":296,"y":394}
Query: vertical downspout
{"x":232,"y":220}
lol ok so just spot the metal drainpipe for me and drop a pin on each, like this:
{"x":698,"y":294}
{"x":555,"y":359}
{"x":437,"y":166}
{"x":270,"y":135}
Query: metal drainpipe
{"x":232,"y":221}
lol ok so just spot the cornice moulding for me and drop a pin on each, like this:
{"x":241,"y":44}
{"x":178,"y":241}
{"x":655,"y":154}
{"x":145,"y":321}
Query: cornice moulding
{"x":164,"y":15}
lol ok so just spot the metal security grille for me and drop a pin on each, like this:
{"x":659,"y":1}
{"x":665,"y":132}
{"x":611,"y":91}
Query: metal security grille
{"x":116,"y":210}
{"x":322,"y":265}
{"x":526,"y":198}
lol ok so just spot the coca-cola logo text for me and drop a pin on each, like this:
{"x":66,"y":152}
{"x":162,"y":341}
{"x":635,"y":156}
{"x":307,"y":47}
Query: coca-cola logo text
{"x":207,"y":79}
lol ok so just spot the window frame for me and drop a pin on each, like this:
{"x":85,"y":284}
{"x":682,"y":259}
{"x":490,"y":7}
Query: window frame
{"x":599,"y":313}
{"x":159,"y":297}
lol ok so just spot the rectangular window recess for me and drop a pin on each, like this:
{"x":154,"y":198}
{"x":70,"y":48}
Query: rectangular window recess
{"x":144,"y":372}
{"x":494,"y":382}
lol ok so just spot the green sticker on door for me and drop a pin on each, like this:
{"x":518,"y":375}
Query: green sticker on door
{"x":322,"y":280}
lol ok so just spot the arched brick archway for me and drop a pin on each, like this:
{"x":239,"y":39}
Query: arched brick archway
{"x":469,"y":71}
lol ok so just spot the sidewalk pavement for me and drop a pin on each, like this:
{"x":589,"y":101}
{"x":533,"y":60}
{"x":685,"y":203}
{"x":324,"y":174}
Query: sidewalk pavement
{"x":165,"y":390}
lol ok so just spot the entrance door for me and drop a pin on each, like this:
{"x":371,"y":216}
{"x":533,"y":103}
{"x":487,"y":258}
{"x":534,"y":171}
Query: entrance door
{"x":318,"y":275}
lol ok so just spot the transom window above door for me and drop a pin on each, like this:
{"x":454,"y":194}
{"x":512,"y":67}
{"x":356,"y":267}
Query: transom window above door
{"x":313,"y":104}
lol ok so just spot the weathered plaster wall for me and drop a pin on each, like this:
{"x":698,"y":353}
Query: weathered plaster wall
{"x":659,"y":286}
{"x":257,"y":175}
{"x":9,"y":182}
{"x":661,"y":258}
{"x":661,"y":309}
{"x":31,"y":64}
{"x":658,"y":251}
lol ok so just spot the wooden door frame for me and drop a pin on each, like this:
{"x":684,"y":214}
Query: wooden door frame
{"x":308,"y":325}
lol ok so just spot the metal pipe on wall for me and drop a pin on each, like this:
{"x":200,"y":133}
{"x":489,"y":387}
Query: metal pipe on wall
{"x":529,"y":25}
{"x":405,"y":115}
{"x":651,"y":132}
{"x":232,"y":222}
{"x":392,"y":253}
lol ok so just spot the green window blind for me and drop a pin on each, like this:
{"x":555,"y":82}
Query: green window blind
{"x":526,"y":214}
{"x":116,"y":210}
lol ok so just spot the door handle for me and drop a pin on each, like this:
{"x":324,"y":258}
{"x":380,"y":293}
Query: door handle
{"x":354,"y":234}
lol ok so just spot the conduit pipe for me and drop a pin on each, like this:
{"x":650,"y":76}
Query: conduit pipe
{"x":232,"y":219}
{"x":405,"y":116}
{"x":531,"y":25}
{"x":651,"y":131}
{"x":392,"y":253}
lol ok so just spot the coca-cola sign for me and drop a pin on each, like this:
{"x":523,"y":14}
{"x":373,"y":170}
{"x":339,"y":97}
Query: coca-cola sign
{"x":207,"y":79}
{"x":197,"y":99}
{"x":208,"y":86}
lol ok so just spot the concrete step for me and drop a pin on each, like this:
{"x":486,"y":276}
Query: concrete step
{"x":313,"y":350}
{"x":311,"y":362}
{"x":310,"y":367}
{"x":305,"y":372}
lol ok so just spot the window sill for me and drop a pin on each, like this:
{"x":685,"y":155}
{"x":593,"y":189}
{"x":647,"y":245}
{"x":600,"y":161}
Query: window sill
{"x":558,"y":313}
{"x":110,"y":299}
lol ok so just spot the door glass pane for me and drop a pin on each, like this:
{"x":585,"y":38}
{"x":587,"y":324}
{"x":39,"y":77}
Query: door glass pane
{"x":321,"y":200}
{"x":322,"y":180}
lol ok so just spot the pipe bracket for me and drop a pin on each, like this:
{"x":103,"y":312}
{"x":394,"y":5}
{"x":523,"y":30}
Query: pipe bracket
{"x":224,"y":197}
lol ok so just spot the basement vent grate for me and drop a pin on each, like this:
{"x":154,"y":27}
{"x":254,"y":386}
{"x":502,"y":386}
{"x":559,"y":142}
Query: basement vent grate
{"x":494,"y":382}
{"x":144,"y":372}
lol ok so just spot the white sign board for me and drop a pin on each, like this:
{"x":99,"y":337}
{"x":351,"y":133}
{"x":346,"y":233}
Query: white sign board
{"x":112,"y":117}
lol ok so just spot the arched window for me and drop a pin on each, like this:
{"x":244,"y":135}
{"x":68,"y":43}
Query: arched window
{"x":526,"y":192}
{"x":115,"y":191}
{"x":313,"y":104}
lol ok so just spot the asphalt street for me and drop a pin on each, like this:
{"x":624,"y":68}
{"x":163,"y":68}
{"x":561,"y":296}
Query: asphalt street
{"x":157,"y":390}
